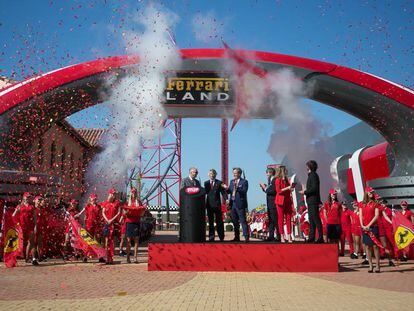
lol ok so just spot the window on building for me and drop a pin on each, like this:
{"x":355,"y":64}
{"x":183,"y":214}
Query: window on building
{"x":72,"y":166}
{"x":40,"y":151}
{"x":52,"y":154}
{"x":62,"y":159}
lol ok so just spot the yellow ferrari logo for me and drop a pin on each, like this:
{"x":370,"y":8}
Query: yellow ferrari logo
{"x":11,"y":241}
{"x":87,"y":237}
{"x":403,"y":236}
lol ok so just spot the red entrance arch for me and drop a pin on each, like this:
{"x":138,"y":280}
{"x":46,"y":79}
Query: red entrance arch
{"x":386,"y":106}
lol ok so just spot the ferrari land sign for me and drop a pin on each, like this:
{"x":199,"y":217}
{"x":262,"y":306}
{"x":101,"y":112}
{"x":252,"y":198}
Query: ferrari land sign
{"x":198,"y":88}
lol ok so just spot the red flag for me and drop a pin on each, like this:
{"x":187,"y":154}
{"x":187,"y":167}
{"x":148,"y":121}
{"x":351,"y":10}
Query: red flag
{"x":12,"y":240}
{"x":374,"y":239}
{"x":82,"y":240}
{"x":403,"y":231}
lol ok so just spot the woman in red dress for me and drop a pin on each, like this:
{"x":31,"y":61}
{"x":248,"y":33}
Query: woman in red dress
{"x":26,"y":217}
{"x":368,"y":217}
{"x":284,"y":202}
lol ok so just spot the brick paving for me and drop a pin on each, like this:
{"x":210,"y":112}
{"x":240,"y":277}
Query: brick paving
{"x":92,"y":286}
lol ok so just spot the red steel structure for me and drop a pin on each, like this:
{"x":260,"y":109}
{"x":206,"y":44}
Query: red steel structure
{"x":159,"y":171}
{"x":225,"y":151}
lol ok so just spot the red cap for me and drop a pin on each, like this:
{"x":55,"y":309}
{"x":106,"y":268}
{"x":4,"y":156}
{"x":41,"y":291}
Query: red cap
{"x":377,"y":196}
{"x":133,"y":189}
{"x":93,"y":196}
{"x":369,"y":189}
{"x":332,"y":191}
{"x":404,"y":203}
{"x":38,"y":197}
{"x":26,"y":194}
{"x":112,"y":191}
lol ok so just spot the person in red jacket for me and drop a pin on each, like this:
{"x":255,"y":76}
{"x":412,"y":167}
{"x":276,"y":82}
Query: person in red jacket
{"x":346,"y":217}
{"x":333,"y":211}
{"x":110,"y":213}
{"x":356,"y":231}
{"x":284,"y":203}
{"x":26,"y":217}
{"x":368,"y":217}
{"x":133,"y":213}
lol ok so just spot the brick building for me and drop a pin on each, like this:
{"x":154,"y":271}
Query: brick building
{"x":64,"y":152}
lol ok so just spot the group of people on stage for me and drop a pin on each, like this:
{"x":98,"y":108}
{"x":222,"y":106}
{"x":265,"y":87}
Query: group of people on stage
{"x":367,"y":227}
{"x":105,"y":222}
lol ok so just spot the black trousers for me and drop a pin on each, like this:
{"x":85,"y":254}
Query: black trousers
{"x":218,"y":215}
{"x":314,"y":222}
{"x":272,"y":214}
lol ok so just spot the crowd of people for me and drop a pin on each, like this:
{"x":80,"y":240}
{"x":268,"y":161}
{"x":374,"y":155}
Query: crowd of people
{"x":366,"y":227}
{"x":46,"y":227}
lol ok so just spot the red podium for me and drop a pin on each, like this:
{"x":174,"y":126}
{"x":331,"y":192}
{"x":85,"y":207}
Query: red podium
{"x":255,"y":257}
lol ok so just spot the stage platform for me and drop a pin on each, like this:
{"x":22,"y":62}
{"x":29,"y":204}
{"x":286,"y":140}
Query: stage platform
{"x":253,"y":256}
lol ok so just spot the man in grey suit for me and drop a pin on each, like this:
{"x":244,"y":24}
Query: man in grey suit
{"x":191,"y":180}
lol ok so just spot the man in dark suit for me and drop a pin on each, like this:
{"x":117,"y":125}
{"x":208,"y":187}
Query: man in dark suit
{"x":214,"y":191}
{"x":238,"y":203}
{"x":270,"y":190}
{"x":313,"y":200}
{"x":191,"y":180}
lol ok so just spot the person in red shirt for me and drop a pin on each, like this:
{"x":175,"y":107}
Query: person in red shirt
{"x":26,"y":217}
{"x":368,"y":217}
{"x":41,"y":232}
{"x":333,"y":211}
{"x":406,"y":212}
{"x":356,"y":231}
{"x":110,"y":213}
{"x":284,"y":203}
{"x":93,"y":215}
{"x":133,"y":213}
{"x":389,"y":233}
{"x":410,"y":216}
{"x":346,"y":216}
{"x":382,"y":231}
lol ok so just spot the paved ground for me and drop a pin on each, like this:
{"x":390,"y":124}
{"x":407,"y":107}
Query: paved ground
{"x":92,"y":286}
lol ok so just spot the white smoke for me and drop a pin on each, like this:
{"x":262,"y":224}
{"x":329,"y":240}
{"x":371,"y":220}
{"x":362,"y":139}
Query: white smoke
{"x":297,"y":133}
{"x":136,"y":110}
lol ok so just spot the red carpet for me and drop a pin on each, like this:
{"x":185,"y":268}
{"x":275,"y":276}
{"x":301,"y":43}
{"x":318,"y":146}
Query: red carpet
{"x":242,"y":257}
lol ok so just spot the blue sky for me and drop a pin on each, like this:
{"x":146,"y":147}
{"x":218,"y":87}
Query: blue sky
{"x":373,"y":36}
